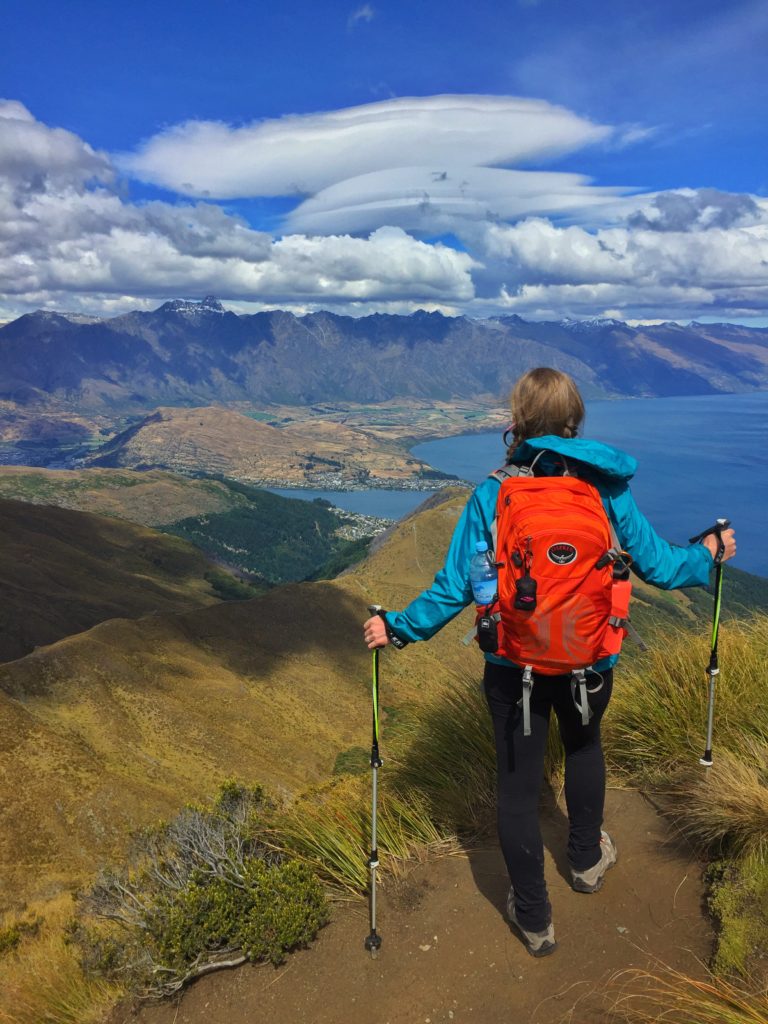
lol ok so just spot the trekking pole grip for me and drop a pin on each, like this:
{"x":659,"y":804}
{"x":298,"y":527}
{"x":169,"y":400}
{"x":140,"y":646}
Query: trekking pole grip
{"x":717,"y":530}
{"x":394,"y":639}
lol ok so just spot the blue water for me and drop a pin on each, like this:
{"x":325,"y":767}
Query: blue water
{"x":699,"y":458}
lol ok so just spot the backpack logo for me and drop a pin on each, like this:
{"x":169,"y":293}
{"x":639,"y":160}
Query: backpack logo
{"x":562,"y":553}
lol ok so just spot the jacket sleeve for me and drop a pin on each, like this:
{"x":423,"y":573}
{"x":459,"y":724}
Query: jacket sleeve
{"x":451,"y":591}
{"x":655,"y":560}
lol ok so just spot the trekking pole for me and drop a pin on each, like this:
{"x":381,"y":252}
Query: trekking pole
{"x":373,"y":941}
{"x":713,"y":669}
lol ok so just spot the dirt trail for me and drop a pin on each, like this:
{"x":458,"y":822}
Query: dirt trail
{"x":448,"y":954}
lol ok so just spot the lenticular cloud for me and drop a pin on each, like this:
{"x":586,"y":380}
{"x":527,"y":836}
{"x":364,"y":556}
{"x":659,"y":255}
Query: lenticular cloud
{"x":430,"y":201}
{"x":302,"y":154}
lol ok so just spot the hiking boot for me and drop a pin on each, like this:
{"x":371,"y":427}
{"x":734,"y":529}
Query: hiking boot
{"x":592,"y":879}
{"x":537,"y":943}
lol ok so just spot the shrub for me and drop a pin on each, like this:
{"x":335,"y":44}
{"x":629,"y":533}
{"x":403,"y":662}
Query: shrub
{"x":197,"y":892}
{"x":739,"y":903}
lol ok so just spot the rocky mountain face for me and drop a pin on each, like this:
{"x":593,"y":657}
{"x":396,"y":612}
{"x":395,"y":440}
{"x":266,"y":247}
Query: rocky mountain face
{"x":198,"y":353}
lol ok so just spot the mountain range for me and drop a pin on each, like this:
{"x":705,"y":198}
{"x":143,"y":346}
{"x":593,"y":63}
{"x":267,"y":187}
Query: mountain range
{"x":189,"y":353}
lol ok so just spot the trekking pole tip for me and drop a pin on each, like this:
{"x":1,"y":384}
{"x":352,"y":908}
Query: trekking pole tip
{"x":373,"y":944}
{"x":706,"y":760}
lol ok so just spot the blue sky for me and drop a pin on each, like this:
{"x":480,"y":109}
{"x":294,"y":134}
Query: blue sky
{"x":538,"y":156}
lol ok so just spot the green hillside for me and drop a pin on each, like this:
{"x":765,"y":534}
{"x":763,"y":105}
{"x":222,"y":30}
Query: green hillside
{"x":279,"y":540}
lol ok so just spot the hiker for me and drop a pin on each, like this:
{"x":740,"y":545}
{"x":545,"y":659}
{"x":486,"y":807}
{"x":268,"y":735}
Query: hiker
{"x":547,"y":412}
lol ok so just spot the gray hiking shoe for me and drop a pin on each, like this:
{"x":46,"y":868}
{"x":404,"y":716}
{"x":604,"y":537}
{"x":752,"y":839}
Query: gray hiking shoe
{"x":537,"y":943}
{"x":592,"y":879}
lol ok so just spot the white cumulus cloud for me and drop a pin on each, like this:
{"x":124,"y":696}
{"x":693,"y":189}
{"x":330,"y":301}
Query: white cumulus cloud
{"x":634,"y":268}
{"x":65,"y":234}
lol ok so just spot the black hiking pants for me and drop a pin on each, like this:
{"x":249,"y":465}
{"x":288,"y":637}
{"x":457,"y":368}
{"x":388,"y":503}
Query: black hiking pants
{"x":520,"y":768}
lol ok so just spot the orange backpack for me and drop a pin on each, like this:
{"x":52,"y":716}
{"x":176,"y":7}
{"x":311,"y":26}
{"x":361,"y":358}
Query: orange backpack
{"x":563,"y":591}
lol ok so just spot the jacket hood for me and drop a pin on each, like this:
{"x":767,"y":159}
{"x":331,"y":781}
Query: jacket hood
{"x":610,"y":462}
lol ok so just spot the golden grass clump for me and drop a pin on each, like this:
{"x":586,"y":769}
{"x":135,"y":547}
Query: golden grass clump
{"x":657,"y":720}
{"x":728,"y":805}
{"x":42,"y":982}
{"x":675,"y":998}
{"x":330,"y":829}
{"x":655,"y":733}
{"x":448,"y":759}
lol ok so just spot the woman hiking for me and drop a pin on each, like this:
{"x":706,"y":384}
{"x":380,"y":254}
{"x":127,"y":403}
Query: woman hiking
{"x":547,"y":412}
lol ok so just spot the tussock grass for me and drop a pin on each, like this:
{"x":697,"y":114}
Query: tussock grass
{"x":438,"y":787}
{"x":675,"y":998}
{"x":656,"y":729}
{"x":448,"y":760}
{"x":655,"y":733}
{"x":330,"y":829}
{"x":657,"y":720}
{"x":727,"y":807}
{"x":42,"y":981}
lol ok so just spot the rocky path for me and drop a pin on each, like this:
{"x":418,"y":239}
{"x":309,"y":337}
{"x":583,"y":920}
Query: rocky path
{"x":448,"y":954}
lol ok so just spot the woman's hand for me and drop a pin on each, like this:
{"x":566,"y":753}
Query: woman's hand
{"x":375,"y":632}
{"x":729,"y":543}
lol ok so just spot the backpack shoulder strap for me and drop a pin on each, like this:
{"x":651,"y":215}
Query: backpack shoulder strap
{"x":508,"y":472}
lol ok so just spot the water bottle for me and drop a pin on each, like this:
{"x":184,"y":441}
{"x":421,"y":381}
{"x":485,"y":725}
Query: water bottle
{"x":483,"y":575}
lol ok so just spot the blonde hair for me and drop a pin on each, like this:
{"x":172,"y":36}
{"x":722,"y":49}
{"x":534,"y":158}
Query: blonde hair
{"x":544,"y":401}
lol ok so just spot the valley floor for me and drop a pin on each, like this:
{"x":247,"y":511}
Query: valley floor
{"x":449,"y":955}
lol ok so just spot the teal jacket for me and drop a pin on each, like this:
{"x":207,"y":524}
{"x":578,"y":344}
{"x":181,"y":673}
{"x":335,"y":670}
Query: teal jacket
{"x":654,"y":560}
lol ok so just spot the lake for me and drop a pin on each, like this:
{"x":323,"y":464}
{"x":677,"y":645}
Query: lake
{"x":699,"y":458}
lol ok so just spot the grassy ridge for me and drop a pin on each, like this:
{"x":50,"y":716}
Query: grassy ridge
{"x":62,"y":572}
{"x":190,"y":694}
{"x":440,"y":785}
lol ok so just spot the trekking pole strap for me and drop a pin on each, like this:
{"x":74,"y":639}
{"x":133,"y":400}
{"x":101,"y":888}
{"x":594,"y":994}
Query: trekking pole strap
{"x":394,"y":639}
{"x":717,"y":530}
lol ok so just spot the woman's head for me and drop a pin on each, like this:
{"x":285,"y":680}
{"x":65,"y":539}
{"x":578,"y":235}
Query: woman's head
{"x":545,"y":401}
